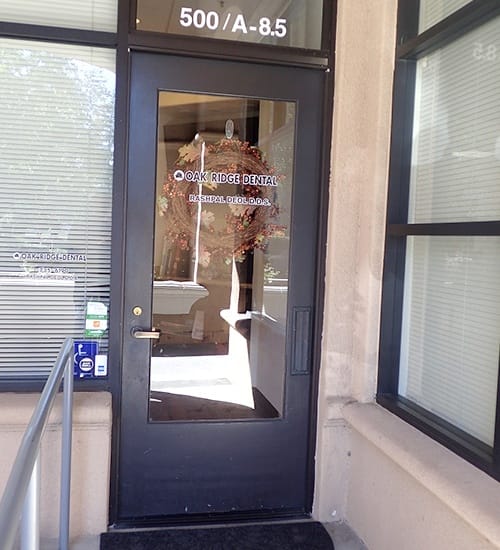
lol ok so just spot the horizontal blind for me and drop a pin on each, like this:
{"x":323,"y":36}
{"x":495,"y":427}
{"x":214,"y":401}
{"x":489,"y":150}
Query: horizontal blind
{"x":94,"y":15}
{"x":434,"y":11}
{"x":56,"y":143}
{"x":456,"y":145}
{"x":451,"y":330}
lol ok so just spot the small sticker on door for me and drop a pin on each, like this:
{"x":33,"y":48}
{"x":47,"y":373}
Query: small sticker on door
{"x":96,"y":320}
{"x":85,"y":352}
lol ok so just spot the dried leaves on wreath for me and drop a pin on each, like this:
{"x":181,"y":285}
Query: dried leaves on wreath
{"x":230,"y":226}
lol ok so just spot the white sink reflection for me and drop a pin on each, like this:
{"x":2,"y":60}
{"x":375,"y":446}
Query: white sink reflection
{"x":173,"y":297}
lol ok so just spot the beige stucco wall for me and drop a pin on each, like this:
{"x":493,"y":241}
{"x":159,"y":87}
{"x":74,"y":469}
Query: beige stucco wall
{"x":91,"y":448}
{"x":397,"y":488}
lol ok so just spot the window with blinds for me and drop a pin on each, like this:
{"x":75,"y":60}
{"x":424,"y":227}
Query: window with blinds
{"x":94,"y":15}
{"x":451,"y":329}
{"x":456,"y":131}
{"x":434,"y":11}
{"x":56,"y":163}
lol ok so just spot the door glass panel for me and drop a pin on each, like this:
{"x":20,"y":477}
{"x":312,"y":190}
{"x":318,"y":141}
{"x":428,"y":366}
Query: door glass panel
{"x":221,"y":256}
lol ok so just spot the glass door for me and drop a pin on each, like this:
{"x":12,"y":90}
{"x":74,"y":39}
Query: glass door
{"x":221,"y":255}
{"x":221,"y":237}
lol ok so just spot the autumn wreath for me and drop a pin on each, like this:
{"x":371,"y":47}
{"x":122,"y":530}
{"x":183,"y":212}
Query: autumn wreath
{"x":247,"y":210}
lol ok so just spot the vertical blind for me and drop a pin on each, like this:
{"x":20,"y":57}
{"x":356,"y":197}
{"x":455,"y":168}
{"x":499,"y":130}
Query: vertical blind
{"x":93,"y":15}
{"x":56,"y":156}
{"x":451,"y":329}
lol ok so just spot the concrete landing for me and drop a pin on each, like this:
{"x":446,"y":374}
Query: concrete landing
{"x":342,"y":535}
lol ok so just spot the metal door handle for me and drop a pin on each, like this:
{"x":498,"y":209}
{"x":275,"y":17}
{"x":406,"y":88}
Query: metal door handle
{"x":145,"y":334}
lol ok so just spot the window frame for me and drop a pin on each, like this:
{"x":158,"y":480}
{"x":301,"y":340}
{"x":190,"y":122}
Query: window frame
{"x":410,"y":47}
{"x":237,"y":50}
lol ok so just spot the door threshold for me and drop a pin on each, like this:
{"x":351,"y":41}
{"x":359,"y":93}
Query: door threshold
{"x":209,"y":520}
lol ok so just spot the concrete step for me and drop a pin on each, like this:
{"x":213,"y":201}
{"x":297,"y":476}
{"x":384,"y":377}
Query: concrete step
{"x":344,"y":538}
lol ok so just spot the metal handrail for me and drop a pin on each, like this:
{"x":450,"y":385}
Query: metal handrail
{"x":26,"y":463}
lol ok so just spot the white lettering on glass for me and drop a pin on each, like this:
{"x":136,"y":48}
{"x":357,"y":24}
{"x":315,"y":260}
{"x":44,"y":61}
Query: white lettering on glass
{"x":229,"y":178}
{"x":234,"y":22}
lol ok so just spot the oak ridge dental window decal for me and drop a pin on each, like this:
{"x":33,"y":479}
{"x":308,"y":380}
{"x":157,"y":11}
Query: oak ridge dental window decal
{"x":231,"y":182}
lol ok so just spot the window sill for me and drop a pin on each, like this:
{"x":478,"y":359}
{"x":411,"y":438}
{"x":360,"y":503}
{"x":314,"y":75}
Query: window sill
{"x":469,"y":492}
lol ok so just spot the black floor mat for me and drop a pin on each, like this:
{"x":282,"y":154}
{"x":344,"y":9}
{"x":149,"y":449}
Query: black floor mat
{"x":307,"y":535}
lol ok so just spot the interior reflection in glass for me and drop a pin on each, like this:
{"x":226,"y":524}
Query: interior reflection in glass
{"x":224,"y":179}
